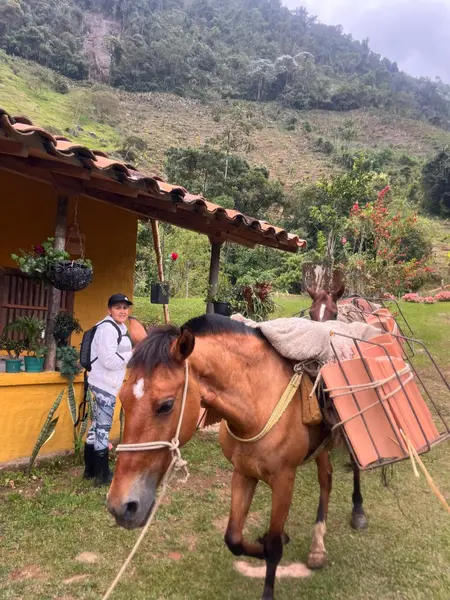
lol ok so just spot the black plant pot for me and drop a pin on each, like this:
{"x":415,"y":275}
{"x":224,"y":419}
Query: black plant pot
{"x":222,"y":308}
{"x":67,"y":275}
{"x":62,"y":334}
{"x":159,"y":293}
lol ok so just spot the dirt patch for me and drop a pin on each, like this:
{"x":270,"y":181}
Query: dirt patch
{"x":190,"y":541}
{"x":175,"y":556}
{"x":28,"y":572}
{"x":254,"y":519}
{"x":75,"y":579}
{"x":88,"y":558}
{"x":295,"y":570}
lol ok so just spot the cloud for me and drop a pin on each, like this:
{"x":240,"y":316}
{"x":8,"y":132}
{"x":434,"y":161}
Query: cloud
{"x":413,"y":34}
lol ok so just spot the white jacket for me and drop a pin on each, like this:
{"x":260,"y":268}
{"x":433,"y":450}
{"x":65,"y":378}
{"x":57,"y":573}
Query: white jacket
{"x":108,"y":371}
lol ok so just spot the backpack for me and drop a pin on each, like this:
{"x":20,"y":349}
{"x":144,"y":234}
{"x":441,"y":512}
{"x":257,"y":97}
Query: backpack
{"x":86,"y":343}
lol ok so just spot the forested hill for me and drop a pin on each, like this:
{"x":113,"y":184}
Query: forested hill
{"x":246,"y":49}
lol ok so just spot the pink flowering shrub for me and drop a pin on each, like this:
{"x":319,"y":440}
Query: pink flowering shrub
{"x":412,"y":298}
{"x":443,"y":297}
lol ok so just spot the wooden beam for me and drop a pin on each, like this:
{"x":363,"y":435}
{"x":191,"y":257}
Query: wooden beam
{"x":213,"y":273}
{"x":179,"y":214}
{"x":55,"y":294}
{"x":159,"y":260}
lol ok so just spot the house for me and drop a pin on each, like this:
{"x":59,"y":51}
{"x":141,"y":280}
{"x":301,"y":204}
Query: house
{"x":52,"y":187}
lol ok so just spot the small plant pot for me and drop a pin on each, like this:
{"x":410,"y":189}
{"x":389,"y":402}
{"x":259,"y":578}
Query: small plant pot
{"x":33,"y":364}
{"x":159,"y":293}
{"x":13,"y":365}
{"x":67,"y":275}
{"x":62,"y":334}
{"x":222,"y":308}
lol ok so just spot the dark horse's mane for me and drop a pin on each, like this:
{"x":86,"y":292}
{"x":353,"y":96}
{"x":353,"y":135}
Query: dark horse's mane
{"x":155,"y":348}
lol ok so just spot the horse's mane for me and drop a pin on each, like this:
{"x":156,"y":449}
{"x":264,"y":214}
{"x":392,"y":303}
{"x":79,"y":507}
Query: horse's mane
{"x":155,"y":348}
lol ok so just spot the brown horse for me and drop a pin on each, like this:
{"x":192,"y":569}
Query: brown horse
{"x":234,"y":371}
{"x":325,"y":308}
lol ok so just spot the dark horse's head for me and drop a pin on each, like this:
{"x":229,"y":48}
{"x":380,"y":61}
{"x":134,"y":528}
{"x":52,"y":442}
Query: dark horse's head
{"x":324,"y":306}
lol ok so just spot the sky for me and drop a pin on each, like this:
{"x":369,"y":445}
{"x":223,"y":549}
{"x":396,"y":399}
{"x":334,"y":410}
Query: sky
{"x":412,"y":32}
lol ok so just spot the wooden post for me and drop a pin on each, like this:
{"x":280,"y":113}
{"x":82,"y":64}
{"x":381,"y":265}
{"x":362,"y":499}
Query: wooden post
{"x":54,"y":301}
{"x":159,"y":260}
{"x":213,"y":273}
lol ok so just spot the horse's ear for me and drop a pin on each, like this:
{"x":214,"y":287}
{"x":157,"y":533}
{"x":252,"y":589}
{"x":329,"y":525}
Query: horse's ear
{"x":136,"y":330}
{"x":184,"y":345}
{"x":311,"y":292}
{"x":336,"y":294}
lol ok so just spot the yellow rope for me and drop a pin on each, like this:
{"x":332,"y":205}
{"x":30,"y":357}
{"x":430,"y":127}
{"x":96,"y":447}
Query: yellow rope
{"x":277,"y":413}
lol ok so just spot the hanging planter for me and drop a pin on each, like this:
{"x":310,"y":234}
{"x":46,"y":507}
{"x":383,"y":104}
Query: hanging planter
{"x":54,"y":267}
{"x":222,"y":308}
{"x":159,"y":293}
{"x":67,"y":275}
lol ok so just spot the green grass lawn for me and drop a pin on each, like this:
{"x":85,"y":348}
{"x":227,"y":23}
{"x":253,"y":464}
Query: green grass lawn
{"x":46,"y":522}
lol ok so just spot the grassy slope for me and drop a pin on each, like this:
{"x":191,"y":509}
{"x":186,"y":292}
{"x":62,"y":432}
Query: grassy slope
{"x":47,"y":521}
{"x":165,"y":120}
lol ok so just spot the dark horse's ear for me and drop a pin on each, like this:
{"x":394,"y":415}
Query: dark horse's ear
{"x":336,"y":294}
{"x":312,"y":293}
{"x":184,"y":345}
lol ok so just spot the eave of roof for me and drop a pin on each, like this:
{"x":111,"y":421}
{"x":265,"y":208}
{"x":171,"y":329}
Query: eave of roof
{"x":34,"y":152}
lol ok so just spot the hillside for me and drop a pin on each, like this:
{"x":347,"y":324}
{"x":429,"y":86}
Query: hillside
{"x":288,"y":143}
{"x":255,"y":50}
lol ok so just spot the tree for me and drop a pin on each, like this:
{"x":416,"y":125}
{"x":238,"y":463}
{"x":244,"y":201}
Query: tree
{"x":436,"y":183}
{"x":238,"y":125}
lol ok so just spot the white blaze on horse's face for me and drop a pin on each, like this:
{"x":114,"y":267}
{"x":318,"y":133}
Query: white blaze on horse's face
{"x":138,"y":389}
{"x":322,"y":311}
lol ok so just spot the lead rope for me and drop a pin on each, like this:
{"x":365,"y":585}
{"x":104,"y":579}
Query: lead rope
{"x":176,"y":464}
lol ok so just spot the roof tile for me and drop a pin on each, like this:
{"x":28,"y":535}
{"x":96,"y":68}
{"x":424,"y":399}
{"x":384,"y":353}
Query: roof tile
{"x":22,"y":130}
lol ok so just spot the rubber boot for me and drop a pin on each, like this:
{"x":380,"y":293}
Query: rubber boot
{"x":89,"y":465}
{"x":103,"y":474}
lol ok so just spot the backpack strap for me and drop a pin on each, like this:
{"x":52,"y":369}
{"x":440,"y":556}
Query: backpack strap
{"x":120,"y":335}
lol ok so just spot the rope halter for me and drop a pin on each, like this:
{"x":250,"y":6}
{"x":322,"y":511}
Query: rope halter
{"x":177,"y":463}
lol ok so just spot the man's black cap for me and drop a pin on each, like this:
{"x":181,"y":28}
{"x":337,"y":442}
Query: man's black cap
{"x":118,"y":298}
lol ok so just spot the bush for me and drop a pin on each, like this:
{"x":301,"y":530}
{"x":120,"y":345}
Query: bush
{"x":106,"y":106}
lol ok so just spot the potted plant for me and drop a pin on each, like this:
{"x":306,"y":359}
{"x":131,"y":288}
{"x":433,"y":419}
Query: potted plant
{"x":54,"y":267}
{"x":13,"y":348}
{"x":221,"y":296}
{"x":31,"y":330}
{"x":67,"y":361}
{"x":64,"y":325}
{"x":160,"y":291}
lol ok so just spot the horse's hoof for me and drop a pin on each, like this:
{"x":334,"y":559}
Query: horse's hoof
{"x":359,"y":521}
{"x":317,"y":560}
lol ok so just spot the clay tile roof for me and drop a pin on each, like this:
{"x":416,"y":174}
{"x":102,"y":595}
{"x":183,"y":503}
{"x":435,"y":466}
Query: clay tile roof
{"x":32,"y":151}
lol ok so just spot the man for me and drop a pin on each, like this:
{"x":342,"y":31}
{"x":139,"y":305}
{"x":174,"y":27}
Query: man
{"x":110,"y":353}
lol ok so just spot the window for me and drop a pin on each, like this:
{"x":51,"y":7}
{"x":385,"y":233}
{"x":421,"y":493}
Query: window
{"x":20,"y":296}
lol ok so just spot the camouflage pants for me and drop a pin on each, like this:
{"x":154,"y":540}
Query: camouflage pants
{"x":104,"y":404}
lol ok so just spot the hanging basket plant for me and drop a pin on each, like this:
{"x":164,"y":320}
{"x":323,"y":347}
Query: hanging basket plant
{"x":70,"y":275}
{"x":54,"y":267}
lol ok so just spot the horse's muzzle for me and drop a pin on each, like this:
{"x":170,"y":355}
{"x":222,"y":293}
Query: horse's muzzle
{"x":131,"y":510}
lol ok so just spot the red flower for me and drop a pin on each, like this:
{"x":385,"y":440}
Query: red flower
{"x":344,"y":241}
{"x":174,"y":256}
{"x":38,"y":249}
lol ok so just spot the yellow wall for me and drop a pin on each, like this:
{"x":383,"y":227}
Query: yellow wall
{"x":27,"y":217}
{"x":25,"y":400}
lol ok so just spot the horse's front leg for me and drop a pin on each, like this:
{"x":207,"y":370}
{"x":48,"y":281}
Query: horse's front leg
{"x":282,"y":490}
{"x":359,"y":519}
{"x":318,"y":555}
{"x":242,"y":492}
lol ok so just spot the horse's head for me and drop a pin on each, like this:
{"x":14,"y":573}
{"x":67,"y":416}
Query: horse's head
{"x":151,"y":399}
{"x":324,"y":306}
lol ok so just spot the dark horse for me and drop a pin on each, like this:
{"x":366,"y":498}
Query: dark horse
{"x":233,"y":370}
{"x":325,"y":308}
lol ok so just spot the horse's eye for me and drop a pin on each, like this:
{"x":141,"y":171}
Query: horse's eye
{"x":165,"y":408}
